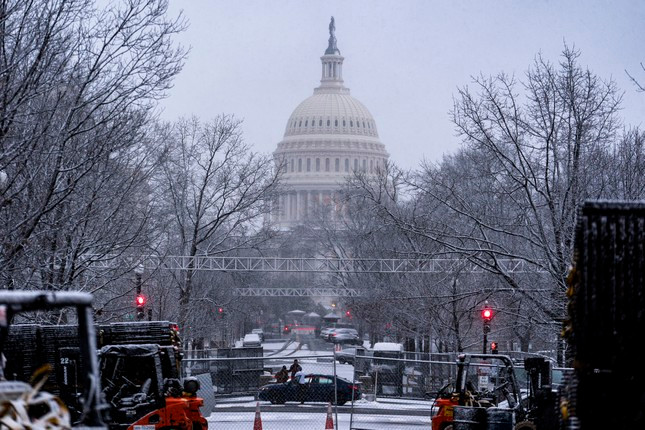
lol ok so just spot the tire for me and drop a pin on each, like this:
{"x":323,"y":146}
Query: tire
{"x":342,"y":360}
{"x":277,"y":399}
{"x":341,"y":400}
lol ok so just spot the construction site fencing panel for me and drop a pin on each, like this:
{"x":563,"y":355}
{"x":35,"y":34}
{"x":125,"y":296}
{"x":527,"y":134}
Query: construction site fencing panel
{"x":384,"y":392}
{"x":247,"y":389}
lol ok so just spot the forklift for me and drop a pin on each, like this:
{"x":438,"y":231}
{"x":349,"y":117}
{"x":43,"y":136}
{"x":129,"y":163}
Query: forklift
{"x":130,"y":383}
{"x":486,"y":389}
{"x":487,"y":394}
{"x":141,"y":385}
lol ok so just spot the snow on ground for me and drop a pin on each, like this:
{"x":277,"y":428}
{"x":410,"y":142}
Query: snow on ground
{"x":305,"y":421}
{"x":379,"y":403}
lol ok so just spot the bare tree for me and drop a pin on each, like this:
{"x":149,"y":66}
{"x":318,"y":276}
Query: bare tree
{"x":533,"y":165}
{"x":78,"y":88}
{"x":534,"y":150}
{"x":624,"y":176}
{"x":635,"y":81}
{"x":214,"y":193}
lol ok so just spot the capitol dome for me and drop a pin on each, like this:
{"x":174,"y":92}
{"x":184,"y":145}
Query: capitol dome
{"x":327,"y":137}
{"x":331,"y":112}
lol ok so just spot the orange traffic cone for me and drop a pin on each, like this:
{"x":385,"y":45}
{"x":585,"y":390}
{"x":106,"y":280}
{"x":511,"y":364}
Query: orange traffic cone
{"x":329,"y":424}
{"x":257,"y":424}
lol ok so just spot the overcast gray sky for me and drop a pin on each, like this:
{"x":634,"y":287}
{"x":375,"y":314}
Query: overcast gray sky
{"x":403,"y":59}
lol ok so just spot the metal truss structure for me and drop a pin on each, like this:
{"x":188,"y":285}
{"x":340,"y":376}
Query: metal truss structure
{"x":313,"y":265}
{"x":297,"y":292}
{"x":308,"y":265}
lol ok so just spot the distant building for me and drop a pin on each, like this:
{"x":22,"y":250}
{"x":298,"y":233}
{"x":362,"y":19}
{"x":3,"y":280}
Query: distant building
{"x":328,"y":136}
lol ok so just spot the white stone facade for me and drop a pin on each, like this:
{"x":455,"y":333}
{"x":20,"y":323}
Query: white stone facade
{"x":327,"y":137}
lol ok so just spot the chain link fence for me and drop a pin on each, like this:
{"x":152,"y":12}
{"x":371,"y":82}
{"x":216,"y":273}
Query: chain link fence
{"x":355,"y":387}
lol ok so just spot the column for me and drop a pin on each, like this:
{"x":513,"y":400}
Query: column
{"x":289,"y":208}
{"x":307,"y":204}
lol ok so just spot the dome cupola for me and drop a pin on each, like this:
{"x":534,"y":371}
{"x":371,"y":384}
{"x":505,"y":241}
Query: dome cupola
{"x":328,"y":136}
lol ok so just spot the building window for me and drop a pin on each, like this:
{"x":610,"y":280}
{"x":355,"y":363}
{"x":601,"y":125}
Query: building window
{"x":344,"y":123}
{"x":363,"y":124}
{"x":356,"y":164}
{"x":371,"y":166}
{"x":328,"y":123}
{"x":347,"y":164}
{"x":351,"y":123}
{"x":337,"y":164}
{"x":335,"y":123}
{"x":317,"y":164}
{"x":326,"y":164}
{"x":364,"y":165}
{"x":300,"y":123}
{"x":300,"y":164}
{"x":308,"y":164}
{"x":368,"y":125}
{"x":292,"y":165}
{"x":306,"y":123}
{"x":320,"y":123}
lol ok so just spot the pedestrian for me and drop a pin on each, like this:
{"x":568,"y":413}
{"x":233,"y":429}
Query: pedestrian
{"x":301,"y":383}
{"x":295,"y":368}
{"x":282,"y":375}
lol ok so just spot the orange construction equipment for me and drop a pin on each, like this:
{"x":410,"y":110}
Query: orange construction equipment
{"x":257,"y":424}
{"x":329,"y":424}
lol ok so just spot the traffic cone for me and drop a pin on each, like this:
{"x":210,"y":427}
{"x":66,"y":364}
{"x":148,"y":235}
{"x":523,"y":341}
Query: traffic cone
{"x":257,"y":424}
{"x":329,"y":424}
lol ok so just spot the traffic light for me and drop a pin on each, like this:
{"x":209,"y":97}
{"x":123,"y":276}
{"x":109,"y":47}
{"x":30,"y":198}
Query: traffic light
{"x":348,"y":313}
{"x":220,"y":312}
{"x":140,"y":302}
{"x":487,"y":315}
{"x":493,"y":348}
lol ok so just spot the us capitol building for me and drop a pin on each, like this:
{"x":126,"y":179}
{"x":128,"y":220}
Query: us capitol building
{"x":328,"y":136}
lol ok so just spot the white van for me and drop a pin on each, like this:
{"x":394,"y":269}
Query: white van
{"x":251,"y":339}
{"x":388,"y":347}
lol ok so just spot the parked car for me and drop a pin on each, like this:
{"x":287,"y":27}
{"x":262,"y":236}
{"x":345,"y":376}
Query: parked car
{"x":251,"y":339}
{"x":259,"y":332}
{"x":318,"y":388}
{"x":347,"y":355}
{"x":324,"y":333}
{"x":345,"y":335}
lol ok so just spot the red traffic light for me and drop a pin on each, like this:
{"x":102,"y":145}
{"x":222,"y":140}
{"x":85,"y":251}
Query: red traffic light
{"x":487,"y":314}
{"x":220,"y":310}
{"x":141,"y":300}
{"x":493,"y":347}
{"x":348,"y":313}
